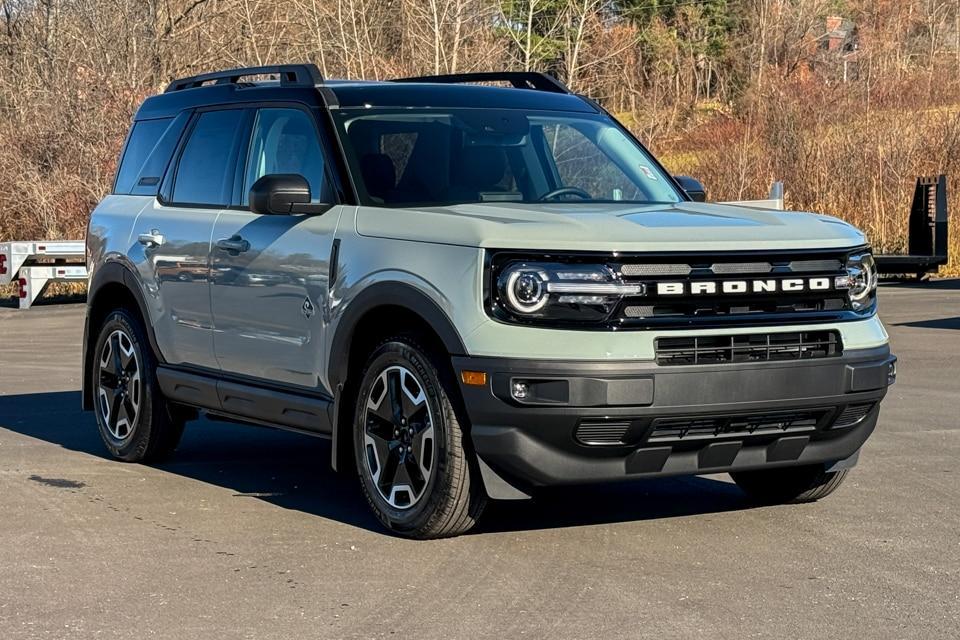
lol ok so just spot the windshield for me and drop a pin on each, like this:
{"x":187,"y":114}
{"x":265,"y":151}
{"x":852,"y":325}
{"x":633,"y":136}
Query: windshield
{"x":435,"y":157}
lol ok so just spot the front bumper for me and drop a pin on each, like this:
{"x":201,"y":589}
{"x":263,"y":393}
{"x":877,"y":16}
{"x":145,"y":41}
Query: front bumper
{"x":587,"y":422}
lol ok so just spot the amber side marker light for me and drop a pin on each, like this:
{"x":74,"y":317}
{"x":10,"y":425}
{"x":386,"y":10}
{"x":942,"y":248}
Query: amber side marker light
{"x":474,"y":378}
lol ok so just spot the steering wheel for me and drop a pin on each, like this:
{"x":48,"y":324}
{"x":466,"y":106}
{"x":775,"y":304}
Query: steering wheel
{"x":565,"y":191}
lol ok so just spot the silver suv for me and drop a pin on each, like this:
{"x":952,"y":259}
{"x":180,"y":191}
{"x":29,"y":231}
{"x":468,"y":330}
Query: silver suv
{"x":473,"y":291}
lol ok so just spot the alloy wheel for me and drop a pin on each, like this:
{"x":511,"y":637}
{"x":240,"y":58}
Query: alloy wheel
{"x":399,"y":437}
{"x":119,"y":387}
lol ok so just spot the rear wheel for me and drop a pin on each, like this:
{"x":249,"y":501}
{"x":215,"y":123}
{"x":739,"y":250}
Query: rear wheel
{"x":134,"y":419}
{"x":411,"y":451}
{"x":789,"y":485}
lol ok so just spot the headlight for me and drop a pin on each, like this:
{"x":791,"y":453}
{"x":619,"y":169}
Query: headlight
{"x":579,"y":293}
{"x":860,"y":281}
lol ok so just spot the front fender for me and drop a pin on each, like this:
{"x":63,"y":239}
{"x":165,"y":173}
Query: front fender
{"x":387,"y":293}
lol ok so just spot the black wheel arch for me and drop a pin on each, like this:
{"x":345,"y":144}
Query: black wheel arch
{"x":114,"y":286}
{"x":409,"y":310}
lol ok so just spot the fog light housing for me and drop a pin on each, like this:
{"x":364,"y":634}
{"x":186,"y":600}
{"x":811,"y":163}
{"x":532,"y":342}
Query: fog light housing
{"x":891,"y":373}
{"x":520,"y":389}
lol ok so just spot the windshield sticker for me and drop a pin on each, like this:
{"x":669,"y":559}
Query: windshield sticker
{"x":647,"y":172}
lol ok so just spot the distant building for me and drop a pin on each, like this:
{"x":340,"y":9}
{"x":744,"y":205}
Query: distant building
{"x":839,"y":46}
{"x":841,"y":35}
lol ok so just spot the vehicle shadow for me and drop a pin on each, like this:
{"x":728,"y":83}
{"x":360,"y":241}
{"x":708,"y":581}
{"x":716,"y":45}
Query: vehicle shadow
{"x":292,"y":471}
{"x":936,"y":323}
{"x":941,"y":284}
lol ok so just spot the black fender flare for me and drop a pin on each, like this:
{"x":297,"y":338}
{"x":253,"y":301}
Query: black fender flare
{"x":113,"y":272}
{"x":398,"y":294}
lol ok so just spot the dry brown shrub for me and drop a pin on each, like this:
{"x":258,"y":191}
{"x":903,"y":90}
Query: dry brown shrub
{"x":769,"y":107}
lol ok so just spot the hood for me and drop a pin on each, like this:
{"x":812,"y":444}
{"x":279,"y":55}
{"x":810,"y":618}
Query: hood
{"x":685,"y":226}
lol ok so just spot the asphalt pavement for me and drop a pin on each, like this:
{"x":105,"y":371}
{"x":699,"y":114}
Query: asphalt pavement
{"x":246,"y":533}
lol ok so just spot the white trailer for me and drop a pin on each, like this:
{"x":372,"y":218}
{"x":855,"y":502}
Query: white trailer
{"x":774,"y":201}
{"x":32,"y":265}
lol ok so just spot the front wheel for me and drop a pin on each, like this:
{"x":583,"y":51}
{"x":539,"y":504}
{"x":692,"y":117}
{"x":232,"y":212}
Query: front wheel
{"x":411,"y":451}
{"x":789,"y":485}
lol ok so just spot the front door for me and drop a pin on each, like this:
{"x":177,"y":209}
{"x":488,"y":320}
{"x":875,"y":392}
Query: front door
{"x":269,"y":272}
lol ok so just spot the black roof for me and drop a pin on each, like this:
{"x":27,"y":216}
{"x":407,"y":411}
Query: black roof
{"x":170,"y":104}
{"x":408,"y":94}
{"x":223,"y":88}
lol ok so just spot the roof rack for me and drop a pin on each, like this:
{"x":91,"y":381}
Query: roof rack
{"x":299,"y":75}
{"x":519,"y":79}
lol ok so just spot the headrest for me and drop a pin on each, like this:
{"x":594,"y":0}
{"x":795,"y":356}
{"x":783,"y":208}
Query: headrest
{"x":481,"y":167}
{"x":379,"y":174}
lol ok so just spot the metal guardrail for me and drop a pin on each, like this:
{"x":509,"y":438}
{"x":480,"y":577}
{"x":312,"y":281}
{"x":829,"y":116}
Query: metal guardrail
{"x":33,"y":265}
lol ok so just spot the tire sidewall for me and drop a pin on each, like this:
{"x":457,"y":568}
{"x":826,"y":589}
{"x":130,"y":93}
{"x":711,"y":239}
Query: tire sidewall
{"x":401,"y":353}
{"x":133,"y":447}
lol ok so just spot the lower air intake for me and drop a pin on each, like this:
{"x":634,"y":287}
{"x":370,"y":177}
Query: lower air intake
{"x":684,"y":429}
{"x":602,"y":431}
{"x":754,"y":347}
{"x":852,"y":414}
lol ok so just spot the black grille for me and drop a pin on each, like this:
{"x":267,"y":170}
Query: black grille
{"x":852,"y":414}
{"x":694,"y":428}
{"x":643,"y":269}
{"x":732,"y":289}
{"x":602,"y":431}
{"x":754,"y":347}
{"x":721,"y":309}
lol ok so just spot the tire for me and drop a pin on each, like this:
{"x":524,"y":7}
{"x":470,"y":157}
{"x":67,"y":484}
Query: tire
{"x":135,"y":422}
{"x":412,"y":454}
{"x":792,"y":485}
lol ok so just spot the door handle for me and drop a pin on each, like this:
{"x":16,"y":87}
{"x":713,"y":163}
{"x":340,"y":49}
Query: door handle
{"x":151,"y":240}
{"x":233,"y":245}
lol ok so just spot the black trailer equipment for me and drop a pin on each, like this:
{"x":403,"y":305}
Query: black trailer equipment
{"x":927,"y":244}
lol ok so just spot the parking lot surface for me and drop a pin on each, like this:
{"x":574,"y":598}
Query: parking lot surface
{"x":246,"y":533}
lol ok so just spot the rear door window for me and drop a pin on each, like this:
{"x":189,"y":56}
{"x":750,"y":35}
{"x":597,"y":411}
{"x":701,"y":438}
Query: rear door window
{"x":207,"y":164}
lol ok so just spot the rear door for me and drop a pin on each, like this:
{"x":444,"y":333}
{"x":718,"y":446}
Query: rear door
{"x":173,"y":234}
{"x":270,"y":272}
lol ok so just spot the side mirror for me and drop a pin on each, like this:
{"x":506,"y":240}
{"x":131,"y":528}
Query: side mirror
{"x":692,"y":187}
{"x":283,"y":194}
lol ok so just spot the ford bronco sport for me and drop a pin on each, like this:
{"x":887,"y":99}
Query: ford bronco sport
{"x":473,"y":291}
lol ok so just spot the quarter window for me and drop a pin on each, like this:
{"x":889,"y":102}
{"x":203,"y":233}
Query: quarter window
{"x":143,"y":138}
{"x":286,"y":141}
{"x":205,"y":172}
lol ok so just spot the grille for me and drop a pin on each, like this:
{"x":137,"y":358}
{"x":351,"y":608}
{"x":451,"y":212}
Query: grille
{"x":852,"y":415}
{"x":632,"y":270}
{"x":724,"y":289}
{"x":756,"y":347}
{"x":603,"y":432}
{"x":742,"y":267}
{"x":723,"y":308}
{"x":686,"y":429}
{"x":815,"y":266}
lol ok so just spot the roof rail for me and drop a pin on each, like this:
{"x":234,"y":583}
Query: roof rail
{"x":519,"y":79}
{"x":302,"y":75}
